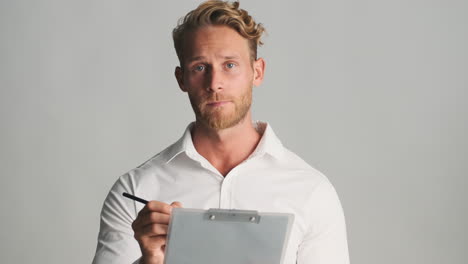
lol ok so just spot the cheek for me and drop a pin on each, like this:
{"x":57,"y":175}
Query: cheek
{"x":241,"y":77}
{"x":194,"y":80}
{"x":195,"y":94}
{"x":194,"y":86}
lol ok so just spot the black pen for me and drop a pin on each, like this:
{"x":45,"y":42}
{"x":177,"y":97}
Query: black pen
{"x":143,"y":201}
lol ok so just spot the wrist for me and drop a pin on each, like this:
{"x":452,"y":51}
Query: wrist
{"x":151,"y":260}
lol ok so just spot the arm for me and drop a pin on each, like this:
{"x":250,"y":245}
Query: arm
{"x":124,"y":234}
{"x":116,"y":243}
{"x":325,"y":241}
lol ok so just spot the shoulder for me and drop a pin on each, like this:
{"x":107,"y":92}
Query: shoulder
{"x":293,"y":162}
{"x":149,"y":167}
{"x":321,"y":193}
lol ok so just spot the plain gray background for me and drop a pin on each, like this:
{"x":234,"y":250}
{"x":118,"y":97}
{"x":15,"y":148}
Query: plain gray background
{"x":372,"y":93}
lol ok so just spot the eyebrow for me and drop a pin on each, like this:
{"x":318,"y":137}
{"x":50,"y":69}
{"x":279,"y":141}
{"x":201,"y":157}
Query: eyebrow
{"x":200,"y":58}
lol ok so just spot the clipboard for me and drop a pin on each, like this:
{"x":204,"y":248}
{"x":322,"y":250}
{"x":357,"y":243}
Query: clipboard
{"x":228,"y":236}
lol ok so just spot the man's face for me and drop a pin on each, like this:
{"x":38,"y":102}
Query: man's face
{"x":218,"y":75}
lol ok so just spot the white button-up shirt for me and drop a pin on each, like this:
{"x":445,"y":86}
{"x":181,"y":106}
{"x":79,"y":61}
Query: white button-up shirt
{"x":271,"y":179}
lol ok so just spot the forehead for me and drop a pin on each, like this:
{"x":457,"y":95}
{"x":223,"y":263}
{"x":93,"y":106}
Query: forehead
{"x":215,"y":41}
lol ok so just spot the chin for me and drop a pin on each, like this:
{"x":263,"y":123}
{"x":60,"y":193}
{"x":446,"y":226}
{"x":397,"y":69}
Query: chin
{"x":225,"y":122}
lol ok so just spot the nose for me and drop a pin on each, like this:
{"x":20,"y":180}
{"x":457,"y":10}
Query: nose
{"x":215,"y":81}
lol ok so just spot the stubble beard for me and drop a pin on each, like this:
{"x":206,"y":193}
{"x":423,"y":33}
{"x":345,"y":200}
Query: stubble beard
{"x":216,"y":118}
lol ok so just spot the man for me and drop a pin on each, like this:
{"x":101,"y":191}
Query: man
{"x":223,"y":160}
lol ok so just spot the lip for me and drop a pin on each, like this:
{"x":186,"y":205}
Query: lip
{"x":218,"y":103}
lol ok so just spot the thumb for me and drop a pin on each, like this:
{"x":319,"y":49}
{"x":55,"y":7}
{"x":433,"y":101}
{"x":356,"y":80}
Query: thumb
{"x":176,"y":204}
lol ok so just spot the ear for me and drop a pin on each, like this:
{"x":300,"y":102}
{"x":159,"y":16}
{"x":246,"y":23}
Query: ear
{"x":259,"y":71}
{"x":179,"y":74}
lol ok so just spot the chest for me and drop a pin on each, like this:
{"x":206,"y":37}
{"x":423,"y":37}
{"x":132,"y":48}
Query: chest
{"x":262,"y":191}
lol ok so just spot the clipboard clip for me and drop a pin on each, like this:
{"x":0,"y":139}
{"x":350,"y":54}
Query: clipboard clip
{"x":232,"y":215}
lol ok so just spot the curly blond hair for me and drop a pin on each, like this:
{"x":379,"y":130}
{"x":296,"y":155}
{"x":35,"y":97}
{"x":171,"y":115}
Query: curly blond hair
{"x":215,"y":12}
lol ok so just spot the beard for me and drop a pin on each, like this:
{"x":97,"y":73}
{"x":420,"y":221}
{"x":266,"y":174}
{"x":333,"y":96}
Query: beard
{"x":215,"y":117}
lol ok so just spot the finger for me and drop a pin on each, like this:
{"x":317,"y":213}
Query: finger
{"x":176,"y":204}
{"x":153,"y":230}
{"x":158,"y":239}
{"x":154,"y":218}
{"x":155,"y":206}
{"x":152,"y":243}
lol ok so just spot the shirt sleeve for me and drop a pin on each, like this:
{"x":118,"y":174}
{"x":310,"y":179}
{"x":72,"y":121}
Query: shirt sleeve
{"x":116,"y":243}
{"x":325,"y":242}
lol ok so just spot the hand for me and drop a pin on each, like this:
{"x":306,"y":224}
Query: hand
{"x":150,"y":228}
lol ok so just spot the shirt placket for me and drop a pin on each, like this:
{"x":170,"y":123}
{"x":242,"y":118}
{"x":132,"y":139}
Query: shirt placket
{"x":227,"y":188}
{"x":225,"y":198}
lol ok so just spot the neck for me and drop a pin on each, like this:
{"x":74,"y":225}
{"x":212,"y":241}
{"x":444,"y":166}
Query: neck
{"x":226,"y":148}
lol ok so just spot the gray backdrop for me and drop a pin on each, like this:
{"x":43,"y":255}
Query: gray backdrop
{"x":372,"y":93}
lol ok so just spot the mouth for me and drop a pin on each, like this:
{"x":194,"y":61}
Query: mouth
{"x":217,"y":103}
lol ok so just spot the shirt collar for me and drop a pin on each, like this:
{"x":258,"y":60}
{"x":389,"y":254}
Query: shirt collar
{"x":269,"y":144}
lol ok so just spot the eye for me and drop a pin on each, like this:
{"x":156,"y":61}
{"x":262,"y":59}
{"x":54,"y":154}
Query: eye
{"x":199,"y":68}
{"x":230,"y":65}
